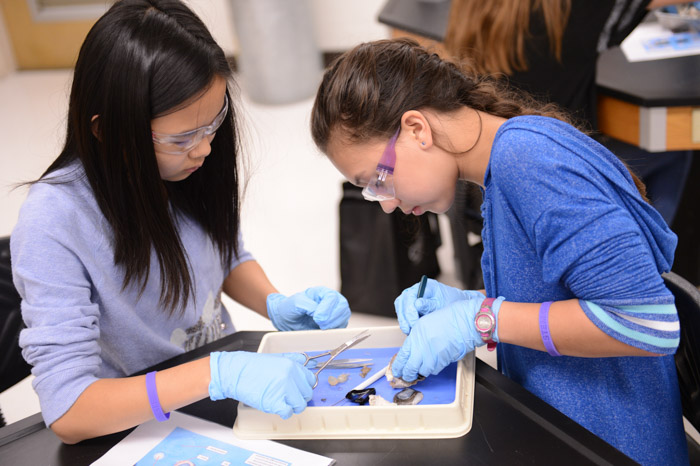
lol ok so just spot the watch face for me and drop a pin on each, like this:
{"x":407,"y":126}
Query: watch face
{"x":484,"y":322}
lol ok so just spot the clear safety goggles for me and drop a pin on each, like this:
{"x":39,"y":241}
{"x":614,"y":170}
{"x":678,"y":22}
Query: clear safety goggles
{"x":184,"y":142}
{"x":381,"y":186}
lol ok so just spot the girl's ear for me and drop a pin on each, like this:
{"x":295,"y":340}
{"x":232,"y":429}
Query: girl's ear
{"x":416,"y":124}
{"x":95,"y":126}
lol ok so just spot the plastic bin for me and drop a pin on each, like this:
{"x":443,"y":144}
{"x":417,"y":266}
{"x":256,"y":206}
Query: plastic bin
{"x":357,"y":422}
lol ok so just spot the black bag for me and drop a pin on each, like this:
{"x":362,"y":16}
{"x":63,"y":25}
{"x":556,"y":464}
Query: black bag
{"x":13,"y":367}
{"x":466,"y":224}
{"x":380,"y":254}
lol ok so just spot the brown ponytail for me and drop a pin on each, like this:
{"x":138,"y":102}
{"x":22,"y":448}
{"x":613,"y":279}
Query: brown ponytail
{"x":367,"y":89}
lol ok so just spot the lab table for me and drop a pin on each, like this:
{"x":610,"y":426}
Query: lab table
{"x":651,"y":104}
{"x":510,"y":426}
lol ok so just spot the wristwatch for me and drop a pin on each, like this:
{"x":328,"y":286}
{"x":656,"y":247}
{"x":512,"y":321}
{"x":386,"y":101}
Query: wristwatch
{"x":485,"y":323}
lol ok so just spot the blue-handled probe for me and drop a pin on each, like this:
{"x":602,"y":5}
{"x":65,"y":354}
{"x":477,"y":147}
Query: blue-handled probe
{"x":421,"y":287}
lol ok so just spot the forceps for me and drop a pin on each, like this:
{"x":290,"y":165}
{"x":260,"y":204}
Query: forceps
{"x":339,"y":363}
{"x":335,"y":352}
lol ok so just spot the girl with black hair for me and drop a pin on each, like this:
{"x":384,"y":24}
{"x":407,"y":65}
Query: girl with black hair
{"x":124,"y":245}
{"x":573,"y":253}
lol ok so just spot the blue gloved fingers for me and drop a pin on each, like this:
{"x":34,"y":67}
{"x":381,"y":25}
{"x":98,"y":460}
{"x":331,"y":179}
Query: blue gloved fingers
{"x":317,"y":307}
{"x":416,"y":362}
{"x":332,"y":309}
{"x":401,"y":358}
{"x":291,"y":313}
{"x":274,"y":302}
{"x":473,"y":294}
{"x":278,"y":405}
{"x":409,"y":361}
{"x":305,"y":381}
{"x":283,"y":410}
{"x":304,"y":378}
{"x":289,"y":389}
{"x":301,"y":393}
{"x":273,"y":383}
{"x":299,"y":389}
{"x":409,"y":308}
{"x":407,"y":319}
{"x":309,"y":379}
{"x":296,"y":357}
{"x":428,"y":305}
{"x":437,"y":340}
{"x":442,"y":294}
{"x":293,"y":403}
{"x":405,"y":307}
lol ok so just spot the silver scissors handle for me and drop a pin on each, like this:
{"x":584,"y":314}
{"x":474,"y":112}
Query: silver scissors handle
{"x":309,"y":358}
{"x":335,"y":352}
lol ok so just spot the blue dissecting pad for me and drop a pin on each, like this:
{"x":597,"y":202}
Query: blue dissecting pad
{"x":437,"y":389}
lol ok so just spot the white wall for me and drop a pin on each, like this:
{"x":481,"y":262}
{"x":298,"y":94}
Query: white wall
{"x":7,"y":61}
{"x":338,"y":24}
{"x":342,"y":24}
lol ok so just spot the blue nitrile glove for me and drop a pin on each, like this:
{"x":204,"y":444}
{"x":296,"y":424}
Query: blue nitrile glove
{"x":409,"y":308}
{"x":317,"y":307}
{"x":441,"y":338}
{"x":273,"y":383}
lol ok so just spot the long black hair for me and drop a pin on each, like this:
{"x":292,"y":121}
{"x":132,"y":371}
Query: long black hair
{"x":143,"y":59}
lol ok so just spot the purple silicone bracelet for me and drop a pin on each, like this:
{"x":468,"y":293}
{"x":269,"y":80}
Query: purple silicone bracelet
{"x":544,"y":329}
{"x":153,"y":398}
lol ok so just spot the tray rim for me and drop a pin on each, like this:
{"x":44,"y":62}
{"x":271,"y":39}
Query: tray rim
{"x":465,"y":371}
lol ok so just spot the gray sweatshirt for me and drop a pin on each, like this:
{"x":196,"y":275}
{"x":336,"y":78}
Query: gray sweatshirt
{"x":81,"y":326}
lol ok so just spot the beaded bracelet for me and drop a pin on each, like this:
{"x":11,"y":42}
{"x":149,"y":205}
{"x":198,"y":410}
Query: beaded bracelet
{"x":153,"y":398}
{"x":544,"y":329}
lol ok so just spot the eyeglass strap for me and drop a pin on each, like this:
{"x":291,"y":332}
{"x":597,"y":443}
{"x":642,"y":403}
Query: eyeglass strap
{"x":388,"y":159}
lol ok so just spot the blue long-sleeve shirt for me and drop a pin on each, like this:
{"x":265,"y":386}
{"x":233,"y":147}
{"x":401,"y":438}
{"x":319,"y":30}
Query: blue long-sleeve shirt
{"x":81,"y":325}
{"x":563,"y":220}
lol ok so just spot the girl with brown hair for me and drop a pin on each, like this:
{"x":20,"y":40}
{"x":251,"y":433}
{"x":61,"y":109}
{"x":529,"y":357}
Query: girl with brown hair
{"x":573,"y":254}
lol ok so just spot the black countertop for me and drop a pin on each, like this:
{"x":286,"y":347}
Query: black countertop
{"x":425,"y":18}
{"x":510,"y":426}
{"x":670,"y":82}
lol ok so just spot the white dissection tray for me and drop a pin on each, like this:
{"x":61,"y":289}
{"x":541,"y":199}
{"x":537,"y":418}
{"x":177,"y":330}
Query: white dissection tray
{"x":448,"y":420}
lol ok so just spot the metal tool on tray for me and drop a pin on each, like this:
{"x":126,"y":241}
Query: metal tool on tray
{"x":335,"y":352}
{"x":341,"y":363}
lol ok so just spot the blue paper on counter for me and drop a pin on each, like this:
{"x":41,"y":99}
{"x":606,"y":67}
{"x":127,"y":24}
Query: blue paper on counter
{"x":188,"y":448}
{"x":436,"y":389}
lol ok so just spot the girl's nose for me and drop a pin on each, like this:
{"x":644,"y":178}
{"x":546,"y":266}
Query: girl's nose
{"x":202,"y":149}
{"x":389,"y":206}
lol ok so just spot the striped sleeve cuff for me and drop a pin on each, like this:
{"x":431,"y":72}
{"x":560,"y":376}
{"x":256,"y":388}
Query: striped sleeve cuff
{"x":651,"y":327}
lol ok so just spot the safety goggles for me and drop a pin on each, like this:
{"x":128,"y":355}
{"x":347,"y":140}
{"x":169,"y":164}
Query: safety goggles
{"x":381,"y":186}
{"x":184,"y":142}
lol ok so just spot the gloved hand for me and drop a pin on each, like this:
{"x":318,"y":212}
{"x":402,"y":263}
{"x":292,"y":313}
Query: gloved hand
{"x":273,"y":383}
{"x":409,"y":308}
{"x":317,"y":307}
{"x":441,"y":338}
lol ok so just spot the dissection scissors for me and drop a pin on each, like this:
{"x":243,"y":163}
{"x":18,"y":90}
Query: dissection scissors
{"x":335,"y":352}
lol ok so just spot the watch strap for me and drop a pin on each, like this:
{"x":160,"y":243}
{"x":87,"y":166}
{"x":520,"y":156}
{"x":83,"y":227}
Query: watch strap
{"x":486,"y":307}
